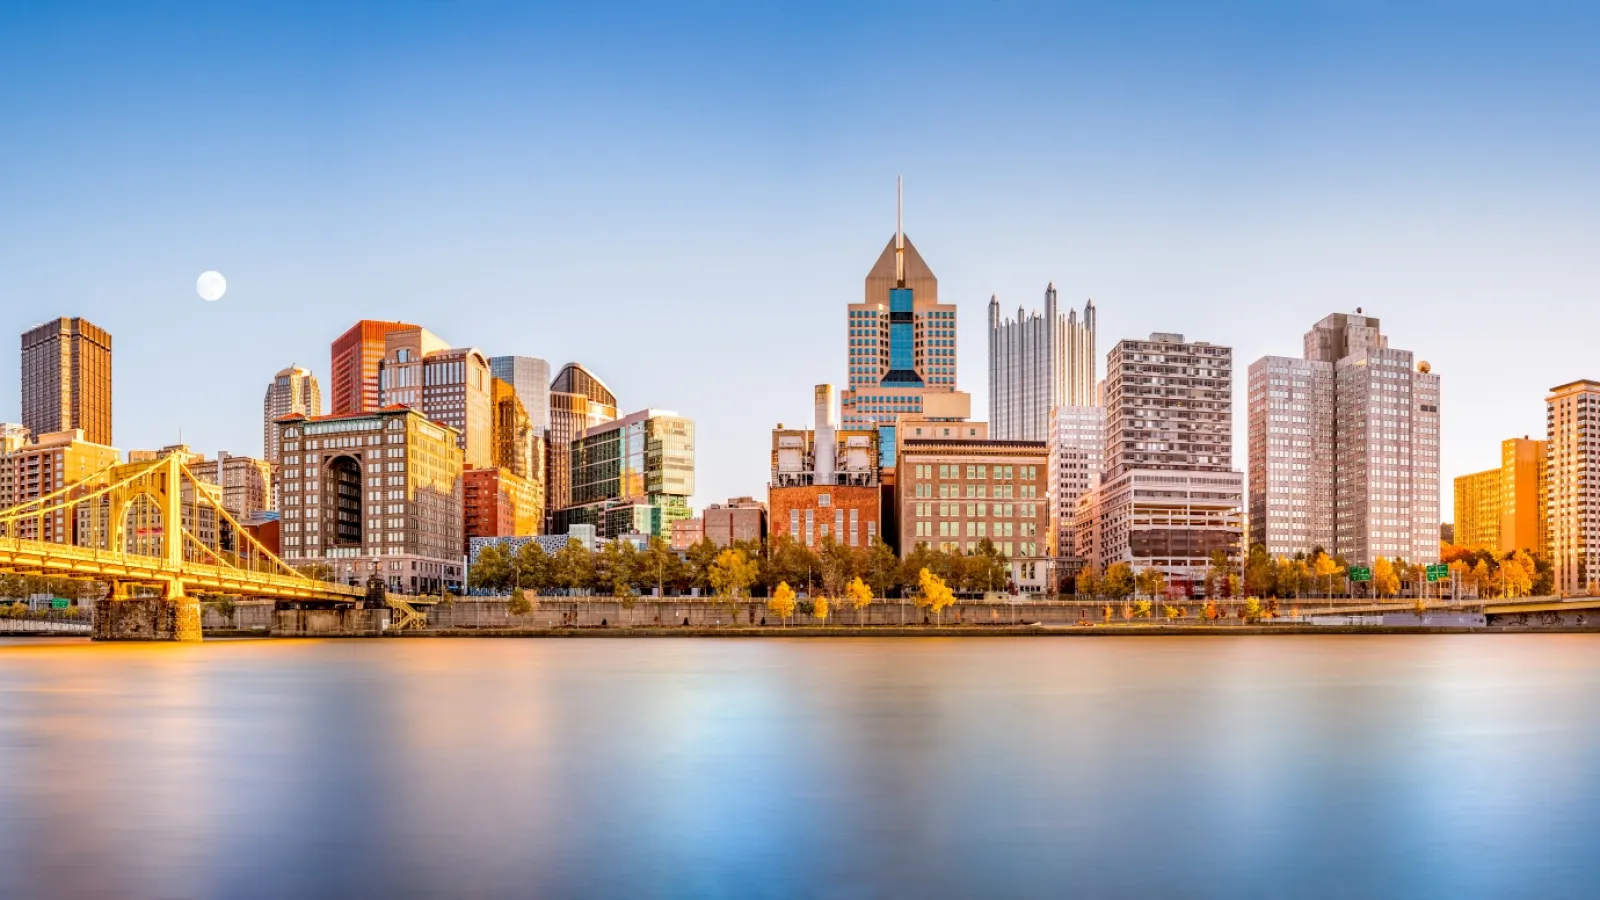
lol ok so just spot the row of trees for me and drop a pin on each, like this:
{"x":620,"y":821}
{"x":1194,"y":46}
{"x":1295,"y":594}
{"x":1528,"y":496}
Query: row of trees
{"x":620,"y":569}
{"x":23,"y":586}
{"x":932,"y":593}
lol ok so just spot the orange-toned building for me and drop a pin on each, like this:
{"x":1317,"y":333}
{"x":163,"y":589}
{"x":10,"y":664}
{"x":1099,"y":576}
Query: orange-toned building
{"x":497,"y":503}
{"x":357,"y":356}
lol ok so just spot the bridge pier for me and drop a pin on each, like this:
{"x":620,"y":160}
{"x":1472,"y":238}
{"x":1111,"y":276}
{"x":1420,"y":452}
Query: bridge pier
{"x":186,"y":623}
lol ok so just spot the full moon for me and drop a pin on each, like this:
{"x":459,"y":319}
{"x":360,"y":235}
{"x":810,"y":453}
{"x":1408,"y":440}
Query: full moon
{"x":211,"y":286}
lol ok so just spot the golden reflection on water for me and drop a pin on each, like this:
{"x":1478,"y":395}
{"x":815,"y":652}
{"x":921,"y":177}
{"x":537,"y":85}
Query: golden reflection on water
{"x":896,"y":766}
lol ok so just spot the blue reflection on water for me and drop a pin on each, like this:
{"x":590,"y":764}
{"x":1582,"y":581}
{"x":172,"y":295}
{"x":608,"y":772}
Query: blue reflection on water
{"x":1443,"y":766}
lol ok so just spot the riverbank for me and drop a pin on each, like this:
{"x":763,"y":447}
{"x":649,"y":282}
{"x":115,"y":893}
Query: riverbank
{"x":924,"y":631}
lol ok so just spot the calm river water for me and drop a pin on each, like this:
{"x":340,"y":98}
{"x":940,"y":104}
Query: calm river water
{"x":1402,"y":766}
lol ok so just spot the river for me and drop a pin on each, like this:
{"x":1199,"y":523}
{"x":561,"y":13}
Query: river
{"x":1289,"y":766}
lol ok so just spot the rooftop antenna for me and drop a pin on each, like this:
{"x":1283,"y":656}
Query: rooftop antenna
{"x":899,"y":234}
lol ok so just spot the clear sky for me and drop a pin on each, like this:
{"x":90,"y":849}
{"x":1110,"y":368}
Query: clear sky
{"x":684,"y":196}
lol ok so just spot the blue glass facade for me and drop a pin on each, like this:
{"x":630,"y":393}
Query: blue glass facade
{"x":902,"y":340}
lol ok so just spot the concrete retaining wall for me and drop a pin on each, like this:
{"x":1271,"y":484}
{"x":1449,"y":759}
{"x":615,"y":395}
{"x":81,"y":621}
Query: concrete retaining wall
{"x":247,"y":616}
{"x":330,"y":622}
{"x":691,"y":612}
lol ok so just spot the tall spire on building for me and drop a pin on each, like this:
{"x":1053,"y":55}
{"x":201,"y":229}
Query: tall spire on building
{"x":899,"y":233}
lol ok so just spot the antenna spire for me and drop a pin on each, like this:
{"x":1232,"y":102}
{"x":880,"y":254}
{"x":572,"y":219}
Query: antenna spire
{"x":899,"y":233}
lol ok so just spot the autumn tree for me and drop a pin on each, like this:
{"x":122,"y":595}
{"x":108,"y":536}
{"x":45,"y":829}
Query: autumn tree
{"x":1259,"y":572}
{"x":782,"y":601}
{"x":731,"y":576}
{"x":493,"y":570}
{"x":1088,"y":582}
{"x":820,"y":609}
{"x":859,"y":595}
{"x":933,"y":593}
{"x":882,"y":568}
{"x":839,"y":563}
{"x":1323,"y":568}
{"x":1118,"y":583}
{"x":1151,"y":582}
{"x":1385,"y":583}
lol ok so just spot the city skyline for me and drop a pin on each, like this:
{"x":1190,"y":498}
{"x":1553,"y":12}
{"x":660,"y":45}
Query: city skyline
{"x":1206,"y":205}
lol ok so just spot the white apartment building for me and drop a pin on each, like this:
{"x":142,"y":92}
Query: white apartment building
{"x":1344,"y":447}
{"x":1170,"y":496}
{"x":1572,"y":417}
{"x":1036,"y":363}
{"x":1077,"y":448}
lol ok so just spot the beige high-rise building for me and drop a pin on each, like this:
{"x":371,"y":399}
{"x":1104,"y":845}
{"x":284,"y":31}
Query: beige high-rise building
{"x":1170,"y":496}
{"x":1504,"y":509}
{"x":245,"y":483}
{"x":1344,"y":447}
{"x":377,"y":492}
{"x":293,"y":390}
{"x":449,"y":385}
{"x":1572,"y":417}
{"x":1037,"y":363}
{"x":66,"y":379}
{"x":901,"y":345}
{"x":30,"y":470}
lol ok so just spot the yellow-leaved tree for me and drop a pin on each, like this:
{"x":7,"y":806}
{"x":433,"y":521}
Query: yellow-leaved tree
{"x":1324,"y":568}
{"x":859,"y":595}
{"x":782,"y":602}
{"x":730,"y":575}
{"x":934,"y":594}
{"x":1384,"y":579}
{"x":820,"y":609}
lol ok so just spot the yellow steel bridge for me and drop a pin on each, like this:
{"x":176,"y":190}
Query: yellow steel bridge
{"x":151,"y":524}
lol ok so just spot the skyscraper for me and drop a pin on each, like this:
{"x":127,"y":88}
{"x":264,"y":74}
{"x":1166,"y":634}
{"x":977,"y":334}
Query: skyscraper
{"x":1572,"y":416}
{"x":66,"y":379}
{"x":1504,"y":509}
{"x":449,"y":385}
{"x":632,"y":475}
{"x":1076,"y":451}
{"x":579,"y":400}
{"x":293,"y":390}
{"x":1170,"y":496}
{"x":901,"y":346}
{"x":1036,"y":363}
{"x":530,"y":377}
{"x":357,"y":355}
{"x":1344,"y":447}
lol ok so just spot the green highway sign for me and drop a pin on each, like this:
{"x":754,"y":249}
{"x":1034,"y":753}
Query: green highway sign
{"x":1438,"y":572}
{"x":1360,"y":573}
{"x":59,"y":603}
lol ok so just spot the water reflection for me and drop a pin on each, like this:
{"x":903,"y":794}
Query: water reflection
{"x":1396,"y":766}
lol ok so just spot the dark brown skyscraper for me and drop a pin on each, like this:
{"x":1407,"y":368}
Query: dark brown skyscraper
{"x":66,"y":379}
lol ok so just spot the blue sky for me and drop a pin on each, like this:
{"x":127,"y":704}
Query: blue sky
{"x":685,"y":196}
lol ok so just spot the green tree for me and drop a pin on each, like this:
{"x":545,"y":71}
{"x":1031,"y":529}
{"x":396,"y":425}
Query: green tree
{"x":573,"y":566}
{"x":838,"y":563}
{"x":1260,"y":574}
{"x":1217,"y":574}
{"x":534,"y":567}
{"x":661,"y":567}
{"x":701,"y":557}
{"x":789,"y":562}
{"x":1251,"y":611}
{"x":493,"y":571}
{"x":520,"y":604}
{"x":989,"y":569}
{"x":1118,"y":583}
{"x":614,"y":568}
{"x":1151,"y":582}
{"x":882,"y":568}
{"x":1087,"y":584}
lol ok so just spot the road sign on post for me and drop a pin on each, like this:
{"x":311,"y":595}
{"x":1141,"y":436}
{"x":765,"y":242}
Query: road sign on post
{"x":1360,"y":573}
{"x":1438,"y":572}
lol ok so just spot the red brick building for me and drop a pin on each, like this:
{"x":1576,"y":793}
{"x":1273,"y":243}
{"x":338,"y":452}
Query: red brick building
{"x":808,"y":513}
{"x":496,"y":503}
